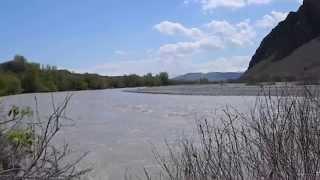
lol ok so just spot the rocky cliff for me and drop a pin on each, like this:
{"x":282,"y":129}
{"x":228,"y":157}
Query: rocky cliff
{"x":298,"y":29}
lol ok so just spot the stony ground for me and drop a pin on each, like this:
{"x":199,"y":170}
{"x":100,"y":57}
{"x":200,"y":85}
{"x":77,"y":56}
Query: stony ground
{"x":229,"y":90}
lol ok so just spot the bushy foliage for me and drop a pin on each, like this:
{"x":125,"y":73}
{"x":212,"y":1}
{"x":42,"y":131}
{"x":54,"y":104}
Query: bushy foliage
{"x":19,"y":75}
{"x":9,"y":84}
{"x":31,"y":81}
{"x":164,"y":78}
{"x":20,"y":137}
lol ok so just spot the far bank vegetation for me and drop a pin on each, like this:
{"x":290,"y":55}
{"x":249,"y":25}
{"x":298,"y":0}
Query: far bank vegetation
{"x":21,"y":76}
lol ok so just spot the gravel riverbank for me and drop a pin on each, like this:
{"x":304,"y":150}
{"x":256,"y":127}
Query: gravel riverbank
{"x":228,"y":90}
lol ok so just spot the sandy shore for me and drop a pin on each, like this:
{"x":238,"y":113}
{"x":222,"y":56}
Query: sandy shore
{"x":228,"y":90}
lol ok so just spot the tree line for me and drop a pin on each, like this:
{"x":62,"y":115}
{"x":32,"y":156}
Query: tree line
{"x":21,"y":76}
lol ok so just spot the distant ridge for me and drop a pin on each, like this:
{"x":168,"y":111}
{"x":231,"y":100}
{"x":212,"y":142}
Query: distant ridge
{"x":212,"y":76}
{"x":292,"y":49}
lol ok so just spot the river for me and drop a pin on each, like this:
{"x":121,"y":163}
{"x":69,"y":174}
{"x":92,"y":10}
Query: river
{"x":119,"y":129}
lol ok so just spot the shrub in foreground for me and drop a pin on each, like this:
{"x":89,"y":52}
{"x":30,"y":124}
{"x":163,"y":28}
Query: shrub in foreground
{"x":26,"y":148}
{"x":278,"y":139}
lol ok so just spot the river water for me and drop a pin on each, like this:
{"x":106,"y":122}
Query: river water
{"x":119,"y":129}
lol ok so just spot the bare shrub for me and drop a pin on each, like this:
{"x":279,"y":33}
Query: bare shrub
{"x":27,"y":151}
{"x":278,"y":139}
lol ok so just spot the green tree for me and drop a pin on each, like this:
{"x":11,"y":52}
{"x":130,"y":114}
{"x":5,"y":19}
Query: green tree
{"x":132,"y":80}
{"x":79,"y":84}
{"x":31,"y":81}
{"x":94,"y":81}
{"x":9,"y":84}
{"x":148,"y":80}
{"x":17,"y":65}
{"x":164,"y":78}
{"x":33,"y":77}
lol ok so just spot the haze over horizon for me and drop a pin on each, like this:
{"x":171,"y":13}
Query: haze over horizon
{"x":115,"y":37}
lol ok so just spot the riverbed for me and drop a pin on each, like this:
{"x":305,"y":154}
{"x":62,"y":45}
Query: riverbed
{"x":231,"y":89}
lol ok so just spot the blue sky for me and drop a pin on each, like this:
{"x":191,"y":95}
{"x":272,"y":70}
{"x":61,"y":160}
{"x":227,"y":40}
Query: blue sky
{"x":115,"y":37}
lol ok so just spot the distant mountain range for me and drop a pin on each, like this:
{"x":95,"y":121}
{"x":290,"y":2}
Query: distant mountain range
{"x":212,"y":76}
{"x":292,"y":49}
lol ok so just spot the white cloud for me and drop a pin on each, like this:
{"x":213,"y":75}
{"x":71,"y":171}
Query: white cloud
{"x":120,"y":52}
{"x":212,"y":4}
{"x":173,"y":28}
{"x":209,"y":5}
{"x":239,"y":34}
{"x":271,"y":20}
{"x":181,"y":49}
{"x":259,"y":1}
{"x":180,"y":57}
{"x":213,"y":36}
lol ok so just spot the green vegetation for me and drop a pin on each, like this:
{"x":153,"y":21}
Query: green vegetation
{"x":27,"y":150}
{"x":21,"y":76}
{"x":20,"y":137}
{"x":9,"y":84}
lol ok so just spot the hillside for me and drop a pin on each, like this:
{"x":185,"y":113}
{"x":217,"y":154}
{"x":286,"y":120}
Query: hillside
{"x":212,"y":76}
{"x":290,"y":51}
{"x":302,"y":64}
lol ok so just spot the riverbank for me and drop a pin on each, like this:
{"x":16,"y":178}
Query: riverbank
{"x":233,"y":89}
